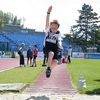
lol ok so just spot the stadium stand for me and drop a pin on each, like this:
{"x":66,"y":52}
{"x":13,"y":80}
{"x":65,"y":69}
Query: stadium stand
{"x":15,"y":39}
{"x":12,"y":36}
{"x":3,"y":39}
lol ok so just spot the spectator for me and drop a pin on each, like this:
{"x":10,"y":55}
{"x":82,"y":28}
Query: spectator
{"x":69,"y":54}
{"x":35,"y":54}
{"x":60,"y":51}
{"x":45,"y":58}
{"x":59,"y":55}
{"x":29,"y":56}
{"x":64,"y":59}
{"x":2,"y":54}
{"x":20,"y":52}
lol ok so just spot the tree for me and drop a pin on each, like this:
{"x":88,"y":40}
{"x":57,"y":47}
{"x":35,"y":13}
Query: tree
{"x":9,"y":18}
{"x":6,"y":17}
{"x":1,"y":23}
{"x":15,"y":21}
{"x":1,"y":19}
{"x":84,"y":33}
{"x":97,"y":36}
{"x":69,"y":37}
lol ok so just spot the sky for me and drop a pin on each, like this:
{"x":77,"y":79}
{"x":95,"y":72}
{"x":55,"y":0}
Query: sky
{"x":34,"y":11}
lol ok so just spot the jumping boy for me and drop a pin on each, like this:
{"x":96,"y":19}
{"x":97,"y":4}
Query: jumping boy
{"x":51,"y":41}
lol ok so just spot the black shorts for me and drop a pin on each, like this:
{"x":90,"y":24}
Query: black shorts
{"x":35,"y":57}
{"x":47,"y":50}
{"x":29,"y":58}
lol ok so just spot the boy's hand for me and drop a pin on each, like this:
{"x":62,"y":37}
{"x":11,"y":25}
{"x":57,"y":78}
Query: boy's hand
{"x":49,"y":9}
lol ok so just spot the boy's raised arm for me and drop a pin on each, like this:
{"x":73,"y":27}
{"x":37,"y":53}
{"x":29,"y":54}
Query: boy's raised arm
{"x":48,"y":17}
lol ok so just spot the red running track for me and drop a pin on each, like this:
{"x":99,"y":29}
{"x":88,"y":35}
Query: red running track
{"x":8,"y":63}
{"x":59,"y":82}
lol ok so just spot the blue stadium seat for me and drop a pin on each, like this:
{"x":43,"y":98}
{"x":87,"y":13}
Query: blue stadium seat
{"x":15,"y":39}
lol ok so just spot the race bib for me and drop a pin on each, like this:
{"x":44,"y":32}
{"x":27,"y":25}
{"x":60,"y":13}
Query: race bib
{"x":52,"y":38}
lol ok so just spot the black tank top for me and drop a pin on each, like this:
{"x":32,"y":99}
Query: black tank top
{"x":51,"y":40}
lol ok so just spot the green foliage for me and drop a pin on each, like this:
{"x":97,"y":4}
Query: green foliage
{"x":9,"y":18}
{"x":69,"y":37}
{"x":89,"y":69}
{"x":8,"y":53}
{"x":1,"y":23}
{"x":16,"y":21}
{"x":1,"y":19}
{"x":84,"y":32}
{"x":97,"y":36}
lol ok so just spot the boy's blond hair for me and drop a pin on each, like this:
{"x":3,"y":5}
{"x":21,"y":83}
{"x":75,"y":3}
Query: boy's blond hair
{"x":55,"y":22}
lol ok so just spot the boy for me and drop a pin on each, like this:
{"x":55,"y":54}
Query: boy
{"x":51,"y":41}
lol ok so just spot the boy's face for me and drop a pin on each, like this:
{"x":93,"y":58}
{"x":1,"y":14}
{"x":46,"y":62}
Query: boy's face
{"x":54,"y":27}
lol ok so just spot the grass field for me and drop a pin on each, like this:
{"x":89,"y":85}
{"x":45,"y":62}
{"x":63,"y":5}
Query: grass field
{"x":87,"y":68}
{"x":21,"y":75}
{"x":90,"y":70}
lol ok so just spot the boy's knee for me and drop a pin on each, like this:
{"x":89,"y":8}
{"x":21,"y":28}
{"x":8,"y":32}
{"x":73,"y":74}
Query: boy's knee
{"x":51,"y":53}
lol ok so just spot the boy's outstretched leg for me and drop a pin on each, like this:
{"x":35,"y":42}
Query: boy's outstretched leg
{"x":49,"y":62}
{"x":48,"y":72}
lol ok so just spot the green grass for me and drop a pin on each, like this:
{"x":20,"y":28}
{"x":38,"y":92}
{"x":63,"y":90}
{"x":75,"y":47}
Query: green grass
{"x":90,"y":70}
{"x":8,"y":53}
{"x":21,"y":75}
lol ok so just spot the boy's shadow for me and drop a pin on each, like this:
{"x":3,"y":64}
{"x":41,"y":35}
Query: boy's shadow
{"x":38,"y":98}
{"x":98,"y":80}
{"x":95,"y":91}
